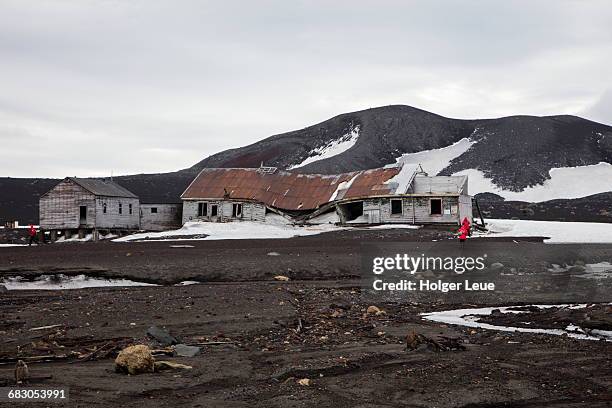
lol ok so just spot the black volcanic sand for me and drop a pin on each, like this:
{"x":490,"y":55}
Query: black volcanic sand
{"x":274,"y":333}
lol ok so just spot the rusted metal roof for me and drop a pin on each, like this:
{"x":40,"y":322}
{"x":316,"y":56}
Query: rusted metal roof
{"x":287,"y":190}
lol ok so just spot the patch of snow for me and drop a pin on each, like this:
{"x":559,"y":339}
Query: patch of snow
{"x":435,"y":160}
{"x":182,"y":246}
{"x":599,"y":267}
{"x":404,"y":178}
{"x":556,"y":231}
{"x":327,"y":218}
{"x":470,"y":318}
{"x":362,"y":219}
{"x":394,"y":226}
{"x":564,"y":182}
{"x":275,"y":227}
{"x":76,"y":238}
{"x":58,"y":282}
{"x":12,"y":245}
{"x":345,"y":185}
{"x":331,"y":149}
{"x":187,"y":283}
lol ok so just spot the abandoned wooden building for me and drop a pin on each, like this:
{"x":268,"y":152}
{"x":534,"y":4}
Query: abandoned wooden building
{"x":88,"y":206}
{"x":160,"y":216}
{"x":394,"y":194}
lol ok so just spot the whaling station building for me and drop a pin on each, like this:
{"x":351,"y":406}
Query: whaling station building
{"x":398,"y":194}
{"x":402,"y":194}
{"x":99,"y":207}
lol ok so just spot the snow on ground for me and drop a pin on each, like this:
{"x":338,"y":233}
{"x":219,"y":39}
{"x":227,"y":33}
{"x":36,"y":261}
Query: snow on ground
{"x":331,"y":149}
{"x":275,"y":227}
{"x":12,"y":245}
{"x":327,"y":218}
{"x":564,"y":182}
{"x":469,"y":318}
{"x":558,"y":232}
{"x":57,"y":282}
{"x":76,"y":238}
{"x":435,"y":160}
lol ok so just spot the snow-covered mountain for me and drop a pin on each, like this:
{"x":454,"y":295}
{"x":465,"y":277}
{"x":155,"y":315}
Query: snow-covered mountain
{"x":524,"y":158}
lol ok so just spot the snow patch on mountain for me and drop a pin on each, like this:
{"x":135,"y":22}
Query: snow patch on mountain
{"x":435,"y":160}
{"x":564,"y":182}
{"x":331,"y":149}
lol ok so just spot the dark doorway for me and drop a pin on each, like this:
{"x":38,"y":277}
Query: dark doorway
{"x":436,"y":206}
{"x":237,"y":210}
{"x":352,"y":211}
{"x":83,"y":214}
{"x":396,"y":207}
{"x":213,"y":210}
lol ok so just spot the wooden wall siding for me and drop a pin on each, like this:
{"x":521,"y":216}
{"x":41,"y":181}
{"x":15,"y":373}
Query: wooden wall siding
{"x":465,"y":207}
{"x":112,"y":219}
{"x":437,"y":185}
{"x":379,"y":211}
{"x":250,"y":211}
{"x":168,"y":216}
{"x":59,"y":208}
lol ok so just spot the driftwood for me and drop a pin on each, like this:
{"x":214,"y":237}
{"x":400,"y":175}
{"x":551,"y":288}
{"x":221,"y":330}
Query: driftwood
{"x":53,"y":326}
{"x":104,"y":351}
{"x":35,"y":359}
{"x":211,"y":343}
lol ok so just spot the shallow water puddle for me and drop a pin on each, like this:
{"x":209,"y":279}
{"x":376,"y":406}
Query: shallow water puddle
{"x":58,"y":282}
{"x":471,"y":317}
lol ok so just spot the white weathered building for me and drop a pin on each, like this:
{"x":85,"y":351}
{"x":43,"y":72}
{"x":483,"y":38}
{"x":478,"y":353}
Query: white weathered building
{"x":399,"y":194}
{"x":160,"y":217}
{"x":88,"y":206}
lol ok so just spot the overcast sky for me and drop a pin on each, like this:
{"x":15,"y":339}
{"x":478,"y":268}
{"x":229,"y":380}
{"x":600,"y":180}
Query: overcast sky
{"x":90,"y":87}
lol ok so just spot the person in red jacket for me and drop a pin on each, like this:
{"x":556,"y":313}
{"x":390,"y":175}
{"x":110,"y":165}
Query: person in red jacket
{"x":32,"y":232}
{"x":464,"y":230}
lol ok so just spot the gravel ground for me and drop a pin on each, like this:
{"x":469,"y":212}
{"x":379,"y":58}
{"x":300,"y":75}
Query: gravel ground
{"x":260,"y":336}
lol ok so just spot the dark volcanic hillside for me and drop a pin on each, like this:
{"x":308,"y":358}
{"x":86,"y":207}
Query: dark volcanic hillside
{"x":515,"y":152}
{"x":384,"y":134}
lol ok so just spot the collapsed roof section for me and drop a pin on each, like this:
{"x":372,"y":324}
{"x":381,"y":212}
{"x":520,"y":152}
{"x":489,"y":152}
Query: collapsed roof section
{"x":292,"y":191}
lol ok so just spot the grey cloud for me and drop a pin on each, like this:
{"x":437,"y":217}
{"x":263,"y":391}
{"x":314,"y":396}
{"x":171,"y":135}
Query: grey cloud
{"x":158,"y":85}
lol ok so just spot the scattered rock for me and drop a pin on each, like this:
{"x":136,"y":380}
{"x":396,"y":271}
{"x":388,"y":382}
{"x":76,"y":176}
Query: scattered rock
{"x":3,"y":289}
{"x":273,"y":254}
{"x":281,"y":278}
{"x":161,"y":336}
{"x":375,"y":311}
{"x":496,"y":266}
{"x":135,"y":360}
{"x":305,"y":382}
{"x":184,"y":350}
{"x":169,"y":365}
